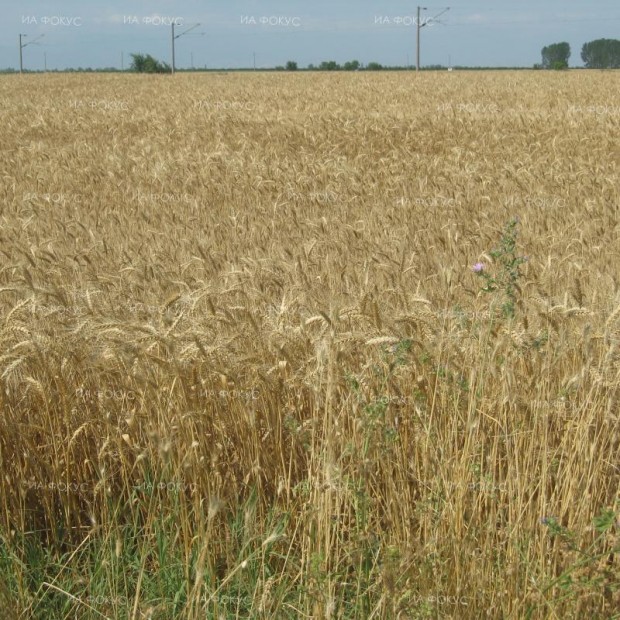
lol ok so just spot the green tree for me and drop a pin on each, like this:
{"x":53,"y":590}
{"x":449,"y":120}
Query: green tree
{"x":291,"y":65}
{"x":138,"y":63}
{"x":352,"y":65}
{"x":329,"y":65}
{"x":145,"y":63}
{"x":556,"y":56}
{"x":601,"y":54}
{"x":374,"y":66}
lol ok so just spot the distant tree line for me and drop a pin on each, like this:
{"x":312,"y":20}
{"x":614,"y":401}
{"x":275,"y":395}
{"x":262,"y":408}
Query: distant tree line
{"x":601,"y":54}
{"x":332,"y":65}
{"x":598,"y":54}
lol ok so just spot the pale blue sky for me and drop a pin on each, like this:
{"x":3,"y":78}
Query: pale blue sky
{"x":472,"y":33}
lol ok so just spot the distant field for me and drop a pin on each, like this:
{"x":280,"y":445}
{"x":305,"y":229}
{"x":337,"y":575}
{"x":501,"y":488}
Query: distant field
{"x":248,"y":369}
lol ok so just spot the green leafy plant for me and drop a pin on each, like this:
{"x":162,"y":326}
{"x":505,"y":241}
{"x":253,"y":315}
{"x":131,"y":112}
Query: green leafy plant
{"x":592,"y":571}
{"x":508,"y":274}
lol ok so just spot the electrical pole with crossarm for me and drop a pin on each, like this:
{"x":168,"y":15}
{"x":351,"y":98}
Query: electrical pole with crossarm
{"x":418,"y":26}
{"x":417,"y":55}
{"x":180,"y":35}
{"x":22,"y":46}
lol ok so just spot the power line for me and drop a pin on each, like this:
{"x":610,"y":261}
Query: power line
{"x":420,"y":25}
{"x":173,"y":38}
{"x":22,"y":46}
{"x":465,"y":17}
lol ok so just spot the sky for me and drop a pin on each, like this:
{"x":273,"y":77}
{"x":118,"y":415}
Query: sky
{"x":266,"y":33}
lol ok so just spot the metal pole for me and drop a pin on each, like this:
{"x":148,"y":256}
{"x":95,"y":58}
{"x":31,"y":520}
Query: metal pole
{"x":173,"y":68}
{"x":419,"y":25}
{"x":21,"y":62}
{"x":172,"y":47}
{"x":417,"y":57}
{"x":45,"y":60}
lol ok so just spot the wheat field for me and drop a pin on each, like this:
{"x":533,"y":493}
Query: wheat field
{"x":248,"y":371}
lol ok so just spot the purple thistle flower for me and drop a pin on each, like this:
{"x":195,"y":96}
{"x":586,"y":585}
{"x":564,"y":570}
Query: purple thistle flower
{"x":478,"y":268}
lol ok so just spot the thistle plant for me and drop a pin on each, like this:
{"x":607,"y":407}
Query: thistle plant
{"x":508,"y":274}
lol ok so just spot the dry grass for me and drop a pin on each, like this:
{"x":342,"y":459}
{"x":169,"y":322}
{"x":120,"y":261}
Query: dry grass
{"x":293,"y":344}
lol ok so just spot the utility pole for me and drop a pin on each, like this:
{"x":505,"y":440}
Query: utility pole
{"x":417,"y":56}
{"x":22,"y":46}
{"x":45,"y":61}
{"x":254,"y":55}
{"x":419,"y":25}
{"x":172,"y":41}
{"x":173,"y":37}
{"x":122,"y":61}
